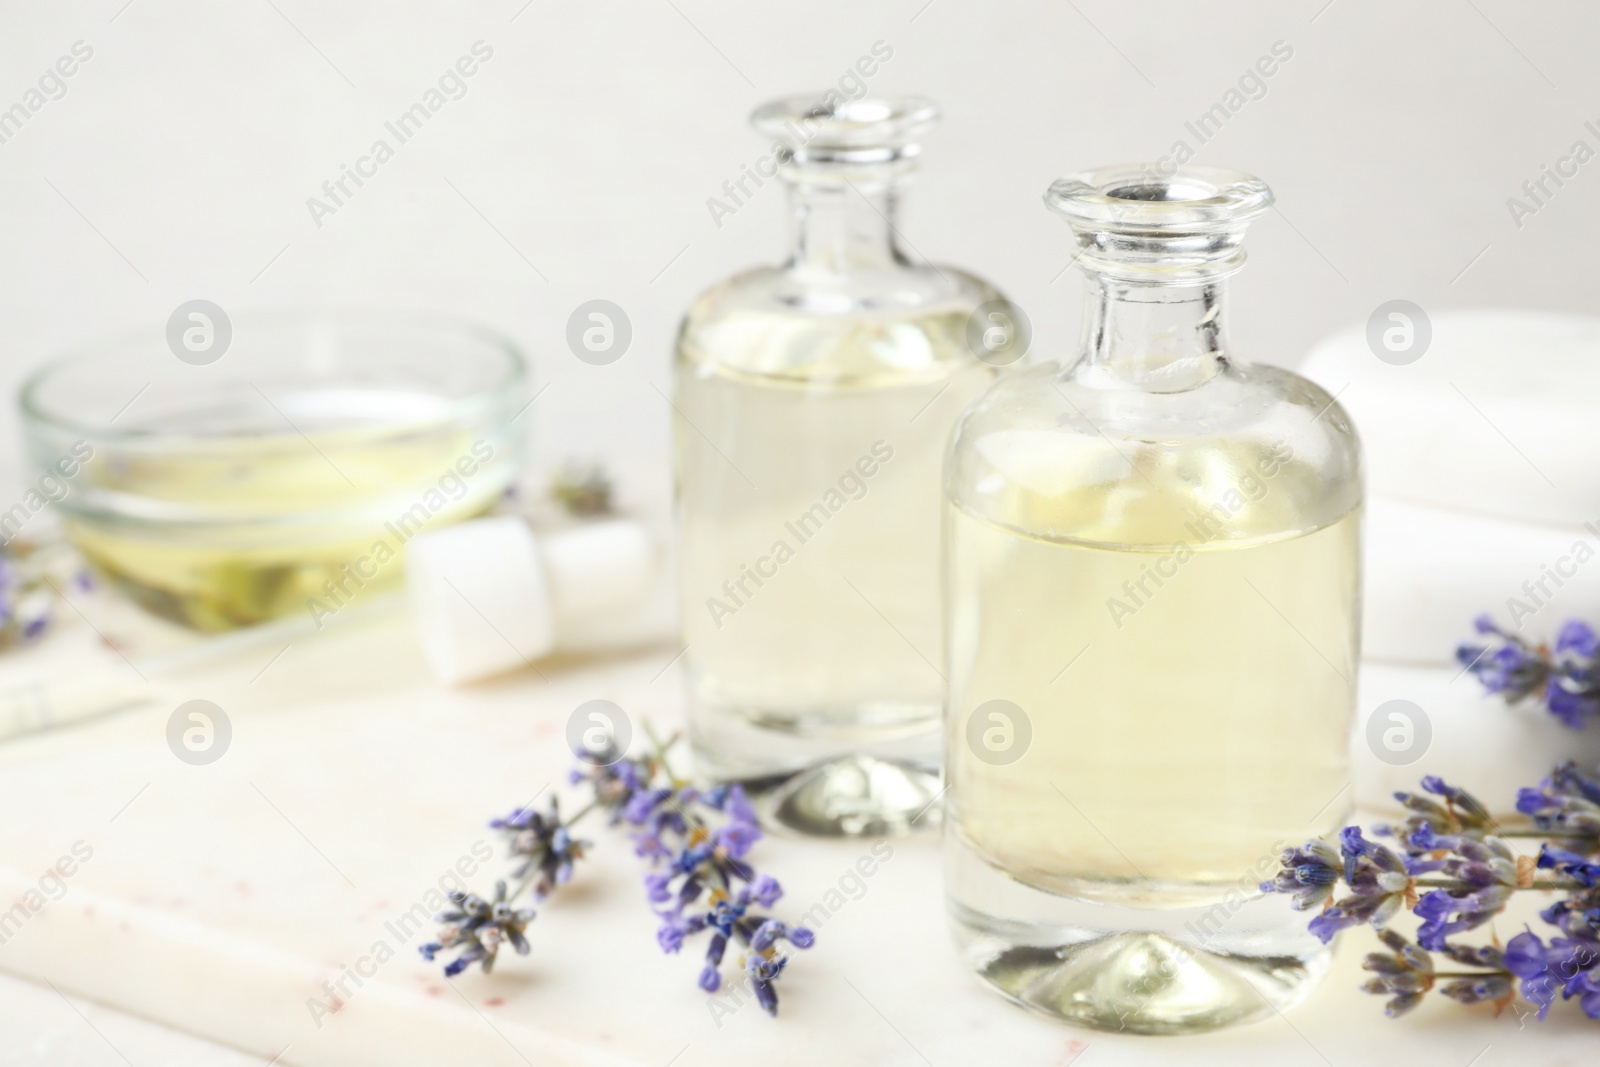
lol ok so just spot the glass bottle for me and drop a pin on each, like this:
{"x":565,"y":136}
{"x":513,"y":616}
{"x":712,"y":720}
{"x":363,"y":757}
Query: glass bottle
{"x":1152,"y":630}
{"x":813,"y":403}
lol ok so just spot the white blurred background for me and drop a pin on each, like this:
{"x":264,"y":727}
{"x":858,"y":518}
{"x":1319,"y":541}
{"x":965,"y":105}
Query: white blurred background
{"x":178,"y":162}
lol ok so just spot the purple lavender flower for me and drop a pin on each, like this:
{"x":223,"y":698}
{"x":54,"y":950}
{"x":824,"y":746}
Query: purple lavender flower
{"x":1445,"y":912}
{"x":736,"y":837}
{"x":1486,"y":956}
{"x":1461,"y":814}
{"x":1455,"y":851}
{"x":739,"y":807}
{"x":1352,"y":911}
{"x":772,"y":931}
{"x":28,"y":598}
{"x":615,"y":782}
{"x":731,"y":920}
{"x":658,"y":886}
{"x":1379,"y":884}
{"x":1578,"y":639}
{"x":648,"y":844}
{"x":1572,"y":693}
{"x":1566,"y":964}
{"x":1494,"y":985}
{"x":544,"y":845}
{"x":1464,"y":807}
{"x":643,"y":803}
{"x":1573,"y":699}
{"x":700,"y":878}
{"x":1404,"y":973}
{"x":766,"y":890}
{"x":478,"y":928}
{"x":1375,"y":874}
{"x":1567,"y":803}
{"x":1566,"y":679}
{"x":702,"y":881}
{"x":1308,"y":874}
{"x":709,"y":858}
{"x":674,"y":931}
{"x":1526,"y":957}
{"x":1487,"y":988}
{"x":1483,"y":868}
{"x":1585,"y":869}
{"x":1505,"y":663}
{"x":763,"y":972}
{"x":670,"y":935}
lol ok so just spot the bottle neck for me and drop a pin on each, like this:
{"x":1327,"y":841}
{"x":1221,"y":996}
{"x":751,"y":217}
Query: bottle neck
{"x":843,"y":228}
{"x":1162,"y":339}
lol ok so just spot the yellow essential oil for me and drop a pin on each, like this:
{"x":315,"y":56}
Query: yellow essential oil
{"x":290,"y":524}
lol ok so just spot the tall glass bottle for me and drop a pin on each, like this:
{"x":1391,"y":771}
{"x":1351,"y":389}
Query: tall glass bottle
{"x":1152,"y":606}
{"x":814,"y":400}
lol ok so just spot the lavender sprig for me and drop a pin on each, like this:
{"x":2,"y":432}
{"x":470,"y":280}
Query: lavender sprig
{"x":477,"y":928}
{"x":1566,"y":804}
{"x":1451,"y":867}
{"x":544,"y":845}
{"x":584,"y":489}
{"x":1406,"y":972}
{"x":1568,"y":964}
{"x":700,"y":881}
{"x":1565,"y":678}
{"x":28,"y":595}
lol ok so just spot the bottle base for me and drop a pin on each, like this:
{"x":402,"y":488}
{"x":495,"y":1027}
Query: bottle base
{"x":854,"y":796}
{"x":865,"y":773}
{"x":1137,"y":970}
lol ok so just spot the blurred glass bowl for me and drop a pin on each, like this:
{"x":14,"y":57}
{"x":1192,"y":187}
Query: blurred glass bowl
{"x":284,"y":474}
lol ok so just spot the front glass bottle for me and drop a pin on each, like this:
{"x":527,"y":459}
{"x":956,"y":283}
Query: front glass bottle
{"x":1152,"y":607}
{"x":813,"y":403}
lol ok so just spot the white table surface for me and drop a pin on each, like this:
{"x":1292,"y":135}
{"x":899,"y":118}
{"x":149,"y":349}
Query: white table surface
{"x":219,"y":895}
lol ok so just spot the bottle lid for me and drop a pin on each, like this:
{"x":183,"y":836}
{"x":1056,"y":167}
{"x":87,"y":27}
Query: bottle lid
{"x":489,"y":596}
{"x":1151,"y":225}
{"x":823,"y":134}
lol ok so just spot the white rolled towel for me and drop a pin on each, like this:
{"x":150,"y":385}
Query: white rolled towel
{"x":1430,"y":572}
{"x":1415,"y":721}
{"x":1499,"y":415}
{"x":490,"y":595}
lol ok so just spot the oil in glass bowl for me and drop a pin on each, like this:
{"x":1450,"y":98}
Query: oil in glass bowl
{"x":285,"y":476}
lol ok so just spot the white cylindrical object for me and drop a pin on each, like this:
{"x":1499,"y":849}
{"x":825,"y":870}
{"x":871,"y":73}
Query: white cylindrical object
{"x":1467,"y":737}
{"x":489,"y":596}
{"x":1498,"y":416}
{"x":480,"y":598}
{"x":1430,"y":572}
{"x":596,"y":569}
